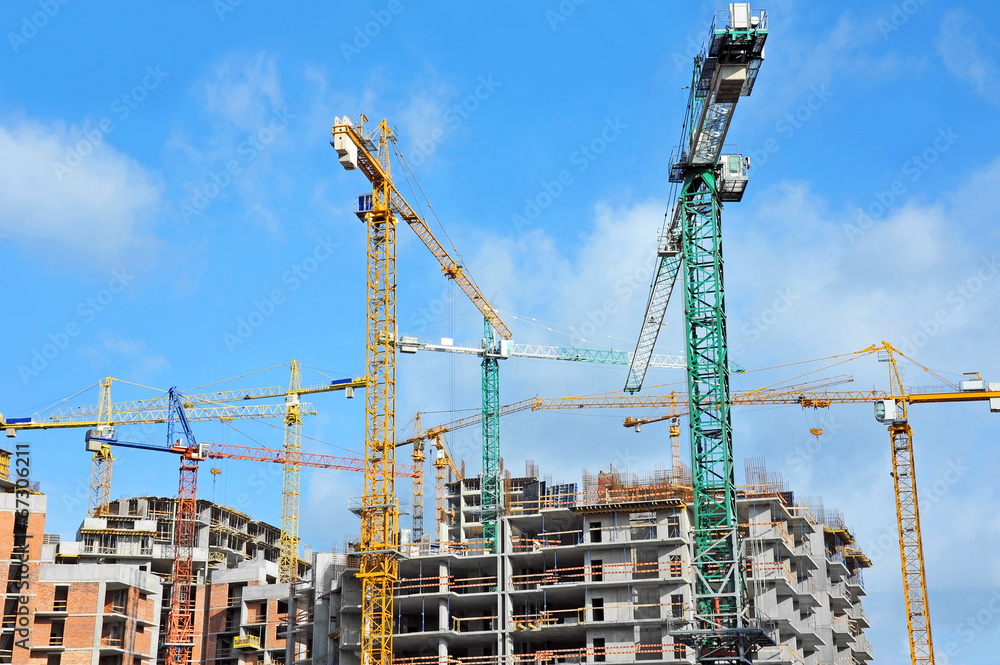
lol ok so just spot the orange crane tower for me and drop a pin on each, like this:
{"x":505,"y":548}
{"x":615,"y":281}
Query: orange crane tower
{"x":380,"y":510}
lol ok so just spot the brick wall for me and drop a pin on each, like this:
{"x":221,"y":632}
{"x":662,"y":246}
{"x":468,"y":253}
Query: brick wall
{"x":27,"y":588}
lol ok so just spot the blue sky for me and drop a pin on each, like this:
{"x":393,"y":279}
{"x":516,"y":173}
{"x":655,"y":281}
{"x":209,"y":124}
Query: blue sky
{"x":166,"y":173}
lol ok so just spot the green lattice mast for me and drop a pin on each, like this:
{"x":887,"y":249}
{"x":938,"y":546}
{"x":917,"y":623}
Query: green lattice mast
{"x":723,"y":630}
{"x":491,"y":481}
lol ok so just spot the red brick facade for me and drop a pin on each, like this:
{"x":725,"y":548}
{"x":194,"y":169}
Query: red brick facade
{"x":100,"y":621}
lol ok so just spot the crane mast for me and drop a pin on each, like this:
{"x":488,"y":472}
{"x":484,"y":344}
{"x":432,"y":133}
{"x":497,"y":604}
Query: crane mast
{"x":691,"y":244}
{"x":911,"y":548}
{"x":418,"y":482}
{"x":380,"y":510}
{"x":288,"y":561}
{"x":100,"y":466}
{"x":891,"y":409}
{"x":179,"y":640}
{"x":491,"y":482}
{"x":379,"y":506}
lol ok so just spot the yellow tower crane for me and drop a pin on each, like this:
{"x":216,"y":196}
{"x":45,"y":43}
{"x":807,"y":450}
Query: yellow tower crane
{"x":288,"y":559}
{"x":380,"y":509}
{"x":891,"y":409}
{"x":213,"y":406}
{"x":105,"y":416}
{"x":418,"y":482}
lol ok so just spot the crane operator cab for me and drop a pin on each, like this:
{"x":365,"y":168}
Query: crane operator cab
{"x":732,"y":176}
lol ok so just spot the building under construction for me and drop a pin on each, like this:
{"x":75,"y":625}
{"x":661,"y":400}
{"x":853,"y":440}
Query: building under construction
{"x":592,"y":571}
{"x":600,"y":571}
{"x":103,"y":598}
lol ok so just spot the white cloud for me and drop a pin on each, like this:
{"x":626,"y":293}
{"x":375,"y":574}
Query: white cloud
{"x":851,"y":286}
{"x":596,"y":294}
{"x":818,"y":50}
{"x":244,"y":91}
{"x":250,"y":126}
{"x":129,"y":355}
{"x":421,"y":116}
{"x":969,"y":54}
{"x":69,"y":189}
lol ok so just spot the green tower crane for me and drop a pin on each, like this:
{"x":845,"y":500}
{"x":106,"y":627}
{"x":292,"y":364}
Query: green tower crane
{"x":724,"y":630}
{"x":491,"y":480}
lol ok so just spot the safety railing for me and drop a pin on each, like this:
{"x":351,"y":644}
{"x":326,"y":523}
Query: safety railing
{"x":770,"y":530}
{"x":858,"y":613}
{"x":855,"y":580}
{"x":861,"y":645}
{"x":777,"y":570}
{"x":807,"y":586}
{"x":545,"y":656}
{"x":246,"y":642}
{"x":840,"y":625}
{"x":473,"y":624}
{"x":547,"y":540}
{"x":780,"y":653}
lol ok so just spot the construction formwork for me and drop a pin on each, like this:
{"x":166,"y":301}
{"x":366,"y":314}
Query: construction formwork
{"x":600,"y":571}
{"x":597,"y":570}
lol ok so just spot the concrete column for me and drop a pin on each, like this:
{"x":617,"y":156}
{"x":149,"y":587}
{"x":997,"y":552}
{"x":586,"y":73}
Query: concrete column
{"x":443,"y":577}
{"x":444,"y":619}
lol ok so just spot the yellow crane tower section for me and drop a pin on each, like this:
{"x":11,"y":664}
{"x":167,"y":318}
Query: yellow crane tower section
{"x":379,"y":506}
{"x":891,"y":409}
{"x":106,"y":415}
{"x":290,"y":477}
